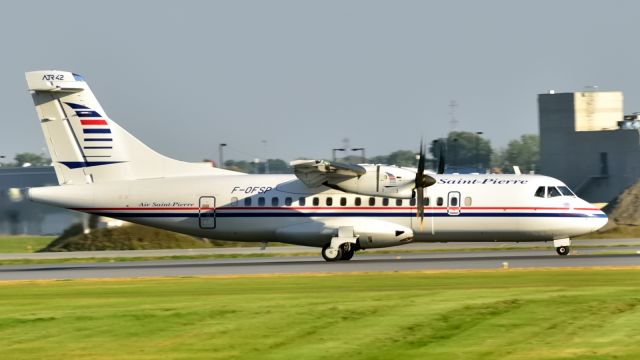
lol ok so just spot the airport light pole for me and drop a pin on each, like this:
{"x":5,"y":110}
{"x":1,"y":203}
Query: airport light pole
{"x":478,"y":133}
{"x":221,"y":155}
{"x":333,"y":152}
{"x":364,"y":158}
{"x":266,"y":158}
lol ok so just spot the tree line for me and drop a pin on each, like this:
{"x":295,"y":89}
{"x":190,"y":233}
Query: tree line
{"x":463,"y":151}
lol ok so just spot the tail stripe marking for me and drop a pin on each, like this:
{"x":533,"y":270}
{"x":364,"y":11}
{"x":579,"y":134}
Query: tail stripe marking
{"x":94,"y":122}
{"x":77,"y":106}
{"x":87,"y":113}
{"x":98,"y":139}
{"x":96,"y":131}
{"x":81,"y":164}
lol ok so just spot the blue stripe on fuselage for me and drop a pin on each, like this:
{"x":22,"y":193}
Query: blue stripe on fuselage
{"x":224,"y":214}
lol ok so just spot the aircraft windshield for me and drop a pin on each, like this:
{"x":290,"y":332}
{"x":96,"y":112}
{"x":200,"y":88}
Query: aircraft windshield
{"x":553,"y":191}
{"x":566,"y":191}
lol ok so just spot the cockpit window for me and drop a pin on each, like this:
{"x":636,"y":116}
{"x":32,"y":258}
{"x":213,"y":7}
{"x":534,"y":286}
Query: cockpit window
{"x":553,"y":192}
{"x":540,"y":192}
{"x":566,"y":191}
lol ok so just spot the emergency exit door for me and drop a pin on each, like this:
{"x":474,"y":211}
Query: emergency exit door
{"x":207,"y":212}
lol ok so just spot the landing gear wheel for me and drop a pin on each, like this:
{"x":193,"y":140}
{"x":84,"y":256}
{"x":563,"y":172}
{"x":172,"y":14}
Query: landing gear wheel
{"x":330,"y":254}
{"x":347,"y":251}
{"x":563,"y":250}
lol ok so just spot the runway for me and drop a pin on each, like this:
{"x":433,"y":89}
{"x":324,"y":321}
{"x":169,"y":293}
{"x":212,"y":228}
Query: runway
{"x":314,"y":264}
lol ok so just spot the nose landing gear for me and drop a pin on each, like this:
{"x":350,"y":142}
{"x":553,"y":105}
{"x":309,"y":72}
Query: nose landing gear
{"x":563,"y":246}
{"x":563,"y":250}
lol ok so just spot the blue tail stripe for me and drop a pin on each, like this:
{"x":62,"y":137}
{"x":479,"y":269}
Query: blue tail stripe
{"x":83,"y":164}
{"x":77,"y":106}
{"x":96,"y":131}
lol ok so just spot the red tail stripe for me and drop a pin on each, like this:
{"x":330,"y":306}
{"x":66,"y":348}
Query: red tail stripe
{"x":94,"y":122}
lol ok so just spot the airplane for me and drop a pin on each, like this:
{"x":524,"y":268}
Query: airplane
{"x":341,"y":208}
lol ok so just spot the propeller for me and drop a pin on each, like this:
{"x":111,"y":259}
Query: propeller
{"x":441,"y":162}
{"x":422,"y":181}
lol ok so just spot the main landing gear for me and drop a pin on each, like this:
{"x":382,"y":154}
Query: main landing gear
{"x":341,"y":247}
{"x":343,"y":252}
{"x":562,"y":246}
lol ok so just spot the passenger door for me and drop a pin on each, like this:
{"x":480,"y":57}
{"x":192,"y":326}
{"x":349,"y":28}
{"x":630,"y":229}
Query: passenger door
{"x":207,"y":212}
{"x":453,"y":203}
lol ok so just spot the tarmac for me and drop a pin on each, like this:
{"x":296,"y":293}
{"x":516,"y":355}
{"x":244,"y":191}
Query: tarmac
{"x":625,"y":253}
{"x":450,"y":246}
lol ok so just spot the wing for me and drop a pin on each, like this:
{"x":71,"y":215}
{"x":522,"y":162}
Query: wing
{"x":314,"y":173}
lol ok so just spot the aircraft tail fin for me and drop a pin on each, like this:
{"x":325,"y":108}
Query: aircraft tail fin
{"x":85,"y":145}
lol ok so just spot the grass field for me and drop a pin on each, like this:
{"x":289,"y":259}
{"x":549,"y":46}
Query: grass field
{"x":23,"y":244}
{"x":545,"y":314}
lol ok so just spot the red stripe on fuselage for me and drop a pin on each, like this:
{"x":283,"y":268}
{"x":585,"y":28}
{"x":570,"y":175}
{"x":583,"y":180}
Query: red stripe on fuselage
{"x":226,"y":207}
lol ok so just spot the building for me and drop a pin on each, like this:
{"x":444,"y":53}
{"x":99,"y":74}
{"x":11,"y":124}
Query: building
{"x":587,"y":142}
{"x":18,"y":215}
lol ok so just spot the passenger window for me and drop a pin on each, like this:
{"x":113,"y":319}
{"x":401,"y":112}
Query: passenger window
{"x":358,"y":201}
{"x":343,"y":201}
{"x":247,"y":201}
{"x":398,"y":202}
{"x":467,"y":201}
{"x":316,"y":201}
{"x":261,"y":201}
{"x":385,"y":201}
{"x":275,"y":201}
{"x":553,"y":192}
{"x":453,"y":201}
{"x":234,"y":201}
{"x":288,"y":201}
{"x":440,"y":201}
{"x":412,"y":202}
{"x":540,"y":192}
{"x":425,"y":201}
{"x":566,"y":191}
{"x":372,"y":201}
{"x":302,"y":201}
{"x":329,"y":201}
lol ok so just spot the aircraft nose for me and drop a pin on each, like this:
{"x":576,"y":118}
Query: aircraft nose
{"x":599,"y":221}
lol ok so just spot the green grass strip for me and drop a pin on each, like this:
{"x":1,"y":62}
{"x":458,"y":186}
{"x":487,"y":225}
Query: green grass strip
{"x":545,"y":314}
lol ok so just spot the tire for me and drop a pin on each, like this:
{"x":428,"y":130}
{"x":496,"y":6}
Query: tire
{"x":327,"y":257}
{"x":347,"y":255}
{"x":563,"y":250}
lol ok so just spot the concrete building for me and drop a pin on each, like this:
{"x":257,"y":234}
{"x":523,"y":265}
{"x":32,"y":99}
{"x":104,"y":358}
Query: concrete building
{"x":18,"y":215}
{"x":587,"y":142}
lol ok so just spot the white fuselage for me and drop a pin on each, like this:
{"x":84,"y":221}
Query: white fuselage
{"x":281,"y":208}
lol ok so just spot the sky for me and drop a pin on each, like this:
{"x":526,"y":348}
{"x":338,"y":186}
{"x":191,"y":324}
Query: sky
{"x":292,"y":79}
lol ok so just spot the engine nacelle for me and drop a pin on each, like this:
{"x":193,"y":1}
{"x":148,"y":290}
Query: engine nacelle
{"x":379,"y":180}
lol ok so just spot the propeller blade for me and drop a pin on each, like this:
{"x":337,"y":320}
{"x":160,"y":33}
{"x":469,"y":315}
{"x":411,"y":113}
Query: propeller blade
{"x":420,"y":204}
{"x":421,"y":160}
{"x":441,"y":162}
{"x":422,"y":182}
